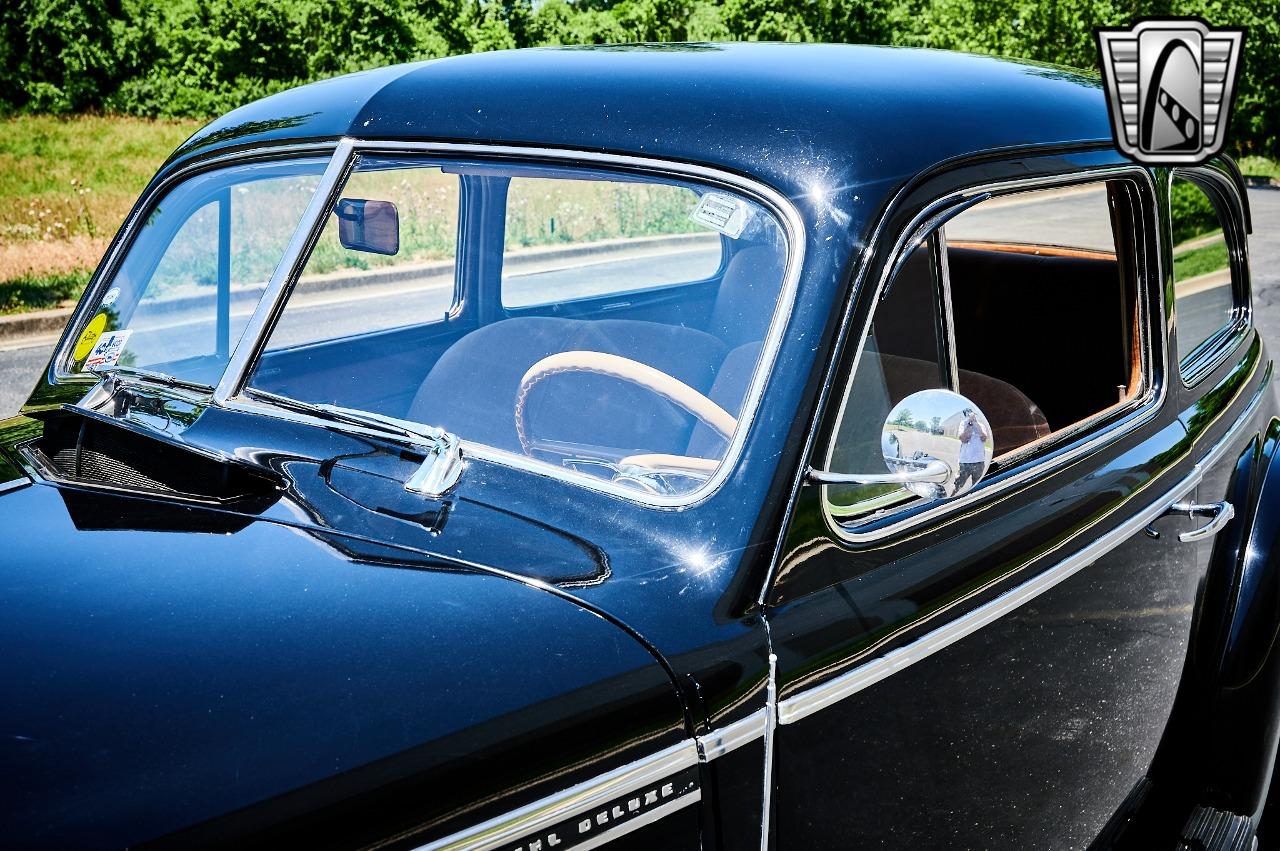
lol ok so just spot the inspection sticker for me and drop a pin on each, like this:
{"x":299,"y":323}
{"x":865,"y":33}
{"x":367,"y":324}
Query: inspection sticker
{"x":108,"y":350}
{"x":89,"y":336}
{"x":723,"y":212}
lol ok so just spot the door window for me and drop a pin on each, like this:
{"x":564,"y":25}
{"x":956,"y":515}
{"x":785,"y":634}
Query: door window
{"x":1026,"y":304}
{"x":1205,"y":306}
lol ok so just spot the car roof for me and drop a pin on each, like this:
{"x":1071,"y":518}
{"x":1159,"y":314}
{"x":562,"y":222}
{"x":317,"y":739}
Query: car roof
{"x":789,"y":114}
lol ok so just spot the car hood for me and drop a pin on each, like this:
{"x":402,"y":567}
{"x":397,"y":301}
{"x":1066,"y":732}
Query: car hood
{"x":184,"y":673}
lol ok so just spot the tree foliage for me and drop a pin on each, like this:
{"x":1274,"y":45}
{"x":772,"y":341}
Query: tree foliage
{"x":202,"y":57}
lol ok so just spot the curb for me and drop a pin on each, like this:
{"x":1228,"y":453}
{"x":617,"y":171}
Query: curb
{"x":39,"y":325}
{"x":36,"y":324}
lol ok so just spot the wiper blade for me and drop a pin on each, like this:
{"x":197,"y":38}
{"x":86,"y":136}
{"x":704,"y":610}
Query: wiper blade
{"x":419,"y":435}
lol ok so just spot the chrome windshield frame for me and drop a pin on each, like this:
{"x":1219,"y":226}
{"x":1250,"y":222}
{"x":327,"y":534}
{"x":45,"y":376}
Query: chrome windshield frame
{"x":231,"y":390}
{"x":125,"y":238}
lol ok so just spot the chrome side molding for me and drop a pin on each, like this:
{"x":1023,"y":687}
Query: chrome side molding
{"x":717,"y":743}
{"x":593,"y":812}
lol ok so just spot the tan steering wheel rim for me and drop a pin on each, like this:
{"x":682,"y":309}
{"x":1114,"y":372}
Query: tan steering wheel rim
{"x":656,"y":381}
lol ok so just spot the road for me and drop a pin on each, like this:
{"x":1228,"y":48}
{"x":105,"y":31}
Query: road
{"x":20,"y":368}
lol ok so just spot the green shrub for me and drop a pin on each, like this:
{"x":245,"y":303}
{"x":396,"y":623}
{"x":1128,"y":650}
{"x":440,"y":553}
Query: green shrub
{"x":198,"y":58}
{"x":1191,"y":211}
{"x":32,"y":292}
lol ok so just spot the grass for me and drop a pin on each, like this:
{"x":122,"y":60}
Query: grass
{"x":1254,"y":166}
{"x":1200,"y":261}
{"x":66,"y":184}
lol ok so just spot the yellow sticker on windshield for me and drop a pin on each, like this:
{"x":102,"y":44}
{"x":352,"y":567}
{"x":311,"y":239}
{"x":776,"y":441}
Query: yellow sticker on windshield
{"x":89,"y":336}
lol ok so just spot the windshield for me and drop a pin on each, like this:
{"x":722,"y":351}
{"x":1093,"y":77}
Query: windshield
{"x":600,"y":324}
{"x":195,"y":270}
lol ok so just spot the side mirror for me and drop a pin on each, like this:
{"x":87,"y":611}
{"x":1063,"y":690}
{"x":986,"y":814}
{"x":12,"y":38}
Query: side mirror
{"x":372,"y":226}
{"x":936,"y":444}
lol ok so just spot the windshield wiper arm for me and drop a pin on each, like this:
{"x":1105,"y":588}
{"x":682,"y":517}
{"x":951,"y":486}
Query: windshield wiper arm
{"x":442,"y":466}
{"x":149,"y":376}
{"x":419,"y":435}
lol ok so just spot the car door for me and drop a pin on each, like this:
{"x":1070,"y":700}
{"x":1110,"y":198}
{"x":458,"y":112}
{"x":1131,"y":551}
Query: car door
{"x":1227,"y":406}
{"x":994,"y":670}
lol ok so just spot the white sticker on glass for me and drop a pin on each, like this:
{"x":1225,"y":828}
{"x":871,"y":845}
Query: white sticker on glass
{"x":724,"y":213}
{"x":107,"y":351}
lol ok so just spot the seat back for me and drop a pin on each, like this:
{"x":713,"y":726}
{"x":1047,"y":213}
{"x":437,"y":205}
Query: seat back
{"x":748,"y":294}
{"x":1015,"y":419}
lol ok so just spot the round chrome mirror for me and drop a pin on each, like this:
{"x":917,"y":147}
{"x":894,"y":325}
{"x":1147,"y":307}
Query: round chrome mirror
{"x":939,"y":441}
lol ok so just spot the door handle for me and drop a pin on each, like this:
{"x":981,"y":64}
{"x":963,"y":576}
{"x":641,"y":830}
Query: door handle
{"x":1219,"y":514}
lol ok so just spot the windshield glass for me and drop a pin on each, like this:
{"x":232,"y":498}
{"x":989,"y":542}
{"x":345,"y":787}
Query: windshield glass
{"x":195,"y":270}
{"x":604,"y":324}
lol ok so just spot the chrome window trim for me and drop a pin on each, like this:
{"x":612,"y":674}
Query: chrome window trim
{"x":1130,"y":415}
{"x":230,"y":395}
{"x":805,"y":703}
{"x":1214,"y":350}
{"x":286,"y":273}
{"x":109,"y":265}
{"x":578,"y":799}
{"x":948,"y":314}
{"x":14,"y":484}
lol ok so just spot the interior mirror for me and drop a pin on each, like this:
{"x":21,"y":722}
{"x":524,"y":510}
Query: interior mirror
{"x":372,"y":226}
{"x":935,"y":443}
{"x":934,"y":427}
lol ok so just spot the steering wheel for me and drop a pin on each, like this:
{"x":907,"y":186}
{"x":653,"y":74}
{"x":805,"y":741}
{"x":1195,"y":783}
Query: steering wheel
{"x":656,"y":381}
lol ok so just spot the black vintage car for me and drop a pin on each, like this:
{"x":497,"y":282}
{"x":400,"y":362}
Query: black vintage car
{"x":664,"y":446}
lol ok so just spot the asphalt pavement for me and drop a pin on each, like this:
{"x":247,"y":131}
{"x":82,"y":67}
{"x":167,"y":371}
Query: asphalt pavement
{"x":20,"y":367}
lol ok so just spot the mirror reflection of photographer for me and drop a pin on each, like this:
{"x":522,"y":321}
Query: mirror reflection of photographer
{"x":973,"y":436}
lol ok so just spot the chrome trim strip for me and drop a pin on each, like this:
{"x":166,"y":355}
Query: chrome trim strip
{"x":948,"y":314}
{"x":800,"y":706}
{"x":124,"y":238}
{"x":1144,"y":406}
{"x":770,"y":729}
{"x":656,"y":814}
{"x":280,"y":285}
{"x":14,"y":484}
{"x":717,"y":743}
{"x":575,"y":800}
{"x":781,"y":207}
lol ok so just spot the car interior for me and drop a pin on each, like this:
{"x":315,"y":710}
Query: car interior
{"x":616,"y":363}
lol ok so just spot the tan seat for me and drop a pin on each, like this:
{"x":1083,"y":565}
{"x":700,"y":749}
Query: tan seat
{"x":1015,"y":419}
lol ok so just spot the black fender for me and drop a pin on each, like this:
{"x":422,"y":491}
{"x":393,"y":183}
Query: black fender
{"x":1234,"y":652}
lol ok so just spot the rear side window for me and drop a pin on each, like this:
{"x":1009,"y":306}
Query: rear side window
{"x":1205,"y":291}
{"x":1026,"y":304}
{"x":569,"y":239}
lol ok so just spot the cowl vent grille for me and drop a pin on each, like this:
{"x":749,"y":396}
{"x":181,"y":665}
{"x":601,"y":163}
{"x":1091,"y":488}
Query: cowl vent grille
{"x":86,"y":451}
